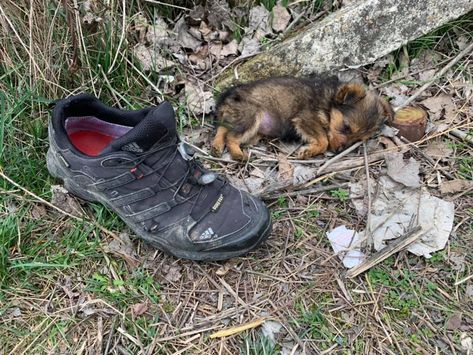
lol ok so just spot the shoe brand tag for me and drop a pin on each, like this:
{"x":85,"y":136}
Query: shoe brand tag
{"x":132,"y":147}
{"x":208,"y":233}
{"x":217,"y":203}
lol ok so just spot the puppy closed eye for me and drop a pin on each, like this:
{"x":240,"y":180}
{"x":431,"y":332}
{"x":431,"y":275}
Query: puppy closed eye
{"x":345,"y":129}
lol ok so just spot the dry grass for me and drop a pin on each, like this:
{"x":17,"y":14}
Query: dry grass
{"x":65,"y":290}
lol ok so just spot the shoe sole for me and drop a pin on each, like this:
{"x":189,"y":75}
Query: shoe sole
{"x":262,"y":234}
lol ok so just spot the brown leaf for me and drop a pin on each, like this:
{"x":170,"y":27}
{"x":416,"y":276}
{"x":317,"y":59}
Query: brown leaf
{"x":454,"y":322}
{"x":139,"y":309}
{"x":158,"y":33}
{"x":61,"y":198}
{"x":230,"y":48}
{"x":249,"y":46}
{"x":220,"y":15}
{"x":286,"y":169}
{"x":281,"y":18}
{"x":455,"y":185}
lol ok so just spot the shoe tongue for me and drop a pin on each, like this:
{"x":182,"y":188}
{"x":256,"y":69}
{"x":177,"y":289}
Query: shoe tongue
{"x":158,"y":123}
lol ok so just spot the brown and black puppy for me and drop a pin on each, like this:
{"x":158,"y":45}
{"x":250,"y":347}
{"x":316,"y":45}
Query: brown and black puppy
{"x":322,"y":111}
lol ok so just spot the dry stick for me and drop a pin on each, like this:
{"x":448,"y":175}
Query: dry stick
{"x":462,"y":135}
{"x":338,"y":156}
{"x":369,"y":236}
{"x":437,"y":76}
{"x":386,"y":252}
{"x":49,"y":204}
{"x":313,"y":190}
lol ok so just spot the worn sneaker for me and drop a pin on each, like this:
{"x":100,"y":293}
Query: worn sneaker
{"x":134,"y":162}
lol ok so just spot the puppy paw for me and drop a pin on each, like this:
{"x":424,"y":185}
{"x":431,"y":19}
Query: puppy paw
{"x":308,"y":152}
{"x":216,"y":151}
{"x":240,"y":156}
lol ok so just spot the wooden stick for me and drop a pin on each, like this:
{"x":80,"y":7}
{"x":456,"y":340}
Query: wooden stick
{"x":383,"y":254}
{"x":462,"y":135}
{"x":338,"y":156}
{"x":437,"y":76}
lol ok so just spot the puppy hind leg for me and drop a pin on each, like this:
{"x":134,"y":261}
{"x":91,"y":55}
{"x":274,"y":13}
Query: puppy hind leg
{"x":218,"y":144}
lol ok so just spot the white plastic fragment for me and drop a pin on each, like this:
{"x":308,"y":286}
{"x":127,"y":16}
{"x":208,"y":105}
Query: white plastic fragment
{"x":343,"y":239}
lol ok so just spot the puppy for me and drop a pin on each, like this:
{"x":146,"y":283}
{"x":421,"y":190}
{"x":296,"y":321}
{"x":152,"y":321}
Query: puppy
{"x":322,"y":111}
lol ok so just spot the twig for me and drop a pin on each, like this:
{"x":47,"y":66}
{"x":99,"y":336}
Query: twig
{"x":338,"y":156}
{"x":369,"y":236}
{"x":462,"y":135}
{"x":383,"y":254}
{"x":49,"y":204}
{"x":312,"y":190}
{"x":437,"y":76}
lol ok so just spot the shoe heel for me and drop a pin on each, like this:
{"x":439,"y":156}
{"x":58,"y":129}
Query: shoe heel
{"x":52,"y":166}
{"x":55,"y":170}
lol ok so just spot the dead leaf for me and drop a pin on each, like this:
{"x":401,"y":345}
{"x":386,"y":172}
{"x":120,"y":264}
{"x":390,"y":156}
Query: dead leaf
{"x":196,"y":15}
{"x":454,"y":322}
{"x":427,"y":75}
{"x":172,"y":273}
{"x":61,"y":198}
{"x":397,"y":93}
{"x":286,"y":169}
{"x":220,"y":15}
{"x":224,"y":269}
{"x":270,"y":329}
{"x":139,"y":309}
{"x":184,"y":38}
{"x":281,"y":18}
{"x":215,"y":49}
{"x":455,"y":185}
{"x":249,"y":46}
{"x":404,"y":172}
{"x":438,"y":150}
{"x":150,"y":59}
{"x":303,"y":173}
{"x":198,"y":100}
{"x":230,"y":48}
{"x":388,"y":143}
{"x":258,"y":24}
{"x":124,"y":249}
{"x":140,"y":26}
{"x":38,"y":211}
{"x":437,"y":104}
{"x":458,"y":261}
{"x":469,"y":290}
{"x":158,"y":33}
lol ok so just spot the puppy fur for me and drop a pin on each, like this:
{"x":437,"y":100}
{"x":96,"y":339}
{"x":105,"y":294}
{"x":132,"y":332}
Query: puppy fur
{"x":322,"y":111}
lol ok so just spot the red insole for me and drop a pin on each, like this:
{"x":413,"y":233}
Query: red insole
{"x":90,"y":142}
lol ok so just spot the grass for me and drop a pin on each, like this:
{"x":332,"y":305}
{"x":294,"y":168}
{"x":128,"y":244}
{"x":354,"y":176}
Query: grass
{"x":62,"y":290}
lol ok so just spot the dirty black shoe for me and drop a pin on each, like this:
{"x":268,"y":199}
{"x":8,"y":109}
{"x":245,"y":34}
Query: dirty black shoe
{"x":134,"y":162}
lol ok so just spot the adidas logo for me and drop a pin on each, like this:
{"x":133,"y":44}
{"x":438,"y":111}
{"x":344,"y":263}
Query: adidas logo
{"x":132,"y":147}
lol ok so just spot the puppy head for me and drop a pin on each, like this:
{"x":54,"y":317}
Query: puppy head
{"x":356,"y":115}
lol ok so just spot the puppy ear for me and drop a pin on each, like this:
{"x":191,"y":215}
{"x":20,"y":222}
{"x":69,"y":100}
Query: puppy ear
{"x":387,"y":110}
{"x":349,"y":94}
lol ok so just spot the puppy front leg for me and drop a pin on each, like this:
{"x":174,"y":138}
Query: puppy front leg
{"x":218,"y":144}
{"x":314,"y":147}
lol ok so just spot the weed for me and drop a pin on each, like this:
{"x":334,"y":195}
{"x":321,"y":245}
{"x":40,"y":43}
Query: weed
{"x":340,"y":194}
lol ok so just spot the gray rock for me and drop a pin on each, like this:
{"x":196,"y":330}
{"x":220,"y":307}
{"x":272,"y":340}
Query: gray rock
{"x":351,"y":37}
